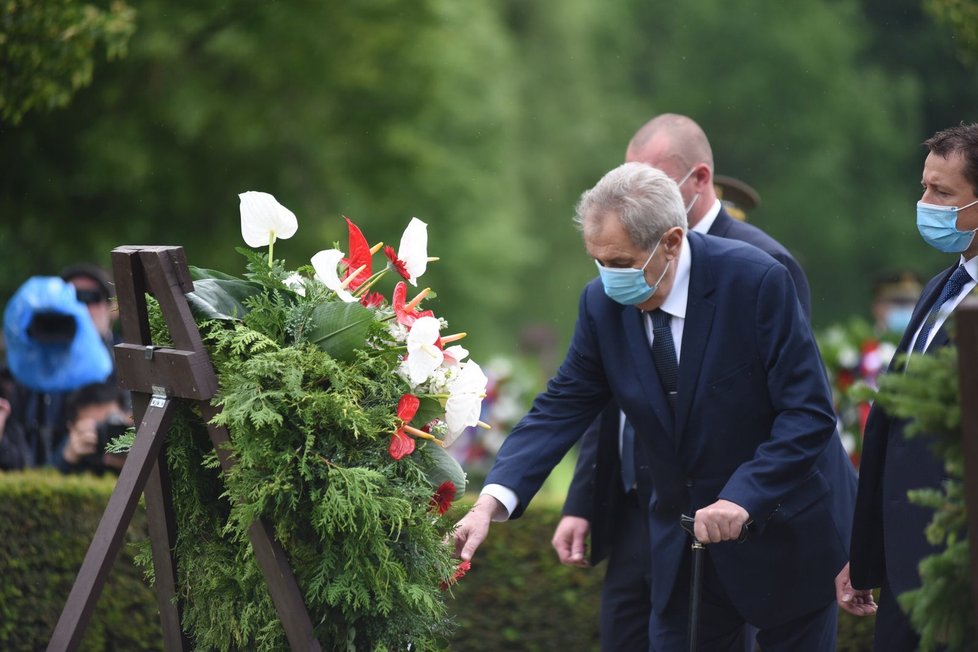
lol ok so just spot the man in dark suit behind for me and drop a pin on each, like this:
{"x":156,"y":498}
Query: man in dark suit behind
{"x":597,"y":504}
{"x":701,"y":342}
{"x":888,"y":539}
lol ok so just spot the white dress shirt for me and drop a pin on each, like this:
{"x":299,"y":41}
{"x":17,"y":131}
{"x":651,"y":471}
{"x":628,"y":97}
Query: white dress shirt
{"x":949,"y":305}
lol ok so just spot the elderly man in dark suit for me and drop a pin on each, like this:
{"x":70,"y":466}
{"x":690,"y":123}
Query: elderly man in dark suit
{"x":703,"y":345}
{"x":888,"y":539}
{"x":600,"y":504}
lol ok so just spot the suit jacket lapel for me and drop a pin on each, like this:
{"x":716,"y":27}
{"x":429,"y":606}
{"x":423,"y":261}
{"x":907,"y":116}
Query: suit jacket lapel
{"x":696,"y":329}
{"x":650,"y":386}
{"x":920,"y":312}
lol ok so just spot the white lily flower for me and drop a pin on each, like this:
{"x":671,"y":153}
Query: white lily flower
{"x":413,"y":251}
{"x":424,"y":356}
{"x":325,"y":263}
{"x":464,"y":405}
{"x":263,"y":219}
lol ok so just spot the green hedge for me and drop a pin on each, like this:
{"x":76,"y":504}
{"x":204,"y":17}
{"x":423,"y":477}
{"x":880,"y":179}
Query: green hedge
{"x":46,"y":523}
{"x":515,"y":597}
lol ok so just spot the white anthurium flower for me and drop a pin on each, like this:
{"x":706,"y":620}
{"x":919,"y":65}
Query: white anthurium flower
{"x":455,"y":354}
{"x":325,"y":263}
{"x":413,"y":251}
{"x":424,"y":356}
{"x":264,"y":220}
{"x":464,"y":404}
{"x":296,"y":283}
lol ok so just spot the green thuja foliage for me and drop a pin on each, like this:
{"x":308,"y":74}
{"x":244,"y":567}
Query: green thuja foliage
{"x":309,"y":442}
{"x":941,"y":610}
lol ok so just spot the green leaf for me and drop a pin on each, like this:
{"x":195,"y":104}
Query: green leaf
{"x":340,"y":328}
{"x":215,"y":298}
{"x":428,"y":410}
{"x":439,"y":466}
{"x":200,"y":273}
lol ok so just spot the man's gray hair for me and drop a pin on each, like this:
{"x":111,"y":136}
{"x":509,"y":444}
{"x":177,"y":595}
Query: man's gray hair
{"x":645,"y":200}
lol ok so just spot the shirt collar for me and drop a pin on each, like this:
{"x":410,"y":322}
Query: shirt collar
{"x":703,"y":226}
{"x":675,"y":303}
{"x":971,"y":266}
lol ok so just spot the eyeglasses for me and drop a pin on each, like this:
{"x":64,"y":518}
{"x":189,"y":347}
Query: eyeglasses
{"x":89,"y":297}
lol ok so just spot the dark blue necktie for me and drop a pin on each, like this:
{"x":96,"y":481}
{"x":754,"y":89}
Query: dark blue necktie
{"x":952,"y":288}
{"x":664,"y":354}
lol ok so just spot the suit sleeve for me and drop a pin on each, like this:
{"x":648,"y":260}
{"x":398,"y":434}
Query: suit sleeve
{"x":798,"y":390}
{"x":558,"y":418}
{"x":800,"y":282}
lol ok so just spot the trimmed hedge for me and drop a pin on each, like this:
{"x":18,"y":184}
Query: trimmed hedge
{"x":517,"y":596}
{"x":46,"y":524}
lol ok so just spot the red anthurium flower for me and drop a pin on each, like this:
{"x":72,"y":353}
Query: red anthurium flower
{"x":406,"y":316}
{"x":460,"y":572}
{"x":372,"y":299}
{"x":401,"y":443}
{"x":443,"y":497}
{"x":359,"y":255}
{"x":399,"y":265}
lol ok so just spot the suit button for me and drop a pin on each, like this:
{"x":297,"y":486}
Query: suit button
{"x":689,"y":483}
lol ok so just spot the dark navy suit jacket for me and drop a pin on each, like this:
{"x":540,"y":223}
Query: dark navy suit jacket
{"x":595,"y":493}
{"x":753,"y":424}
{"x":888,"y":531}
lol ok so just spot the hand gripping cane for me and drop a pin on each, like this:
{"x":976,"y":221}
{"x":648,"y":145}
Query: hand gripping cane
{"x":696,"y":582}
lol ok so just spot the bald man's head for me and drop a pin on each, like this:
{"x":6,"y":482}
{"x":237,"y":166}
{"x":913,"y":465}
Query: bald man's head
{"x":676,"y":145}
{"x":670,"y":137}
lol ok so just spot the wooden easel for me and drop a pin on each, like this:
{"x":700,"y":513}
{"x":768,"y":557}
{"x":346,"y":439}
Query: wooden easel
{"x":158,"y":377}
{"x":966,"y":318}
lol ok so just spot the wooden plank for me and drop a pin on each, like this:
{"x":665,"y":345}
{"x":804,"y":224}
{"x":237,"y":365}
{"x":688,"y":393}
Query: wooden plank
{"x":966,"y":320}
{"x":112,"y":528}
{"x":183,"y":374}
{"x":130,"y":290}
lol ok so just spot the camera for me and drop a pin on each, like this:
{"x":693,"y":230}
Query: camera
{"x":114,"y":426}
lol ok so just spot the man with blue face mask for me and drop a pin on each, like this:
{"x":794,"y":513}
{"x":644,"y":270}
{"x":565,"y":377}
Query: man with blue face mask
{"x":701,"y":343}
{"x":604,"y":501}
{"x":888,"y":539}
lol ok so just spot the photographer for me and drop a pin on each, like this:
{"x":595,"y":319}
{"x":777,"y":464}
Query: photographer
{"x":95,"y":417}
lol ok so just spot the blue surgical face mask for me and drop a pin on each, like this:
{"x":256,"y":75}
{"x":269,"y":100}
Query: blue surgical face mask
{"x":898,"y":318}
{"x":627,"y":285}
{"x":938,"y":227}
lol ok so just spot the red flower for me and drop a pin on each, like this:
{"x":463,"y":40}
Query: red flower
{"x":359,"y":256}
{"x":460,"y":572}
{"x":396,"y":262}
{"x":372,"y":299}
{"x":405,"y":315}
{"x":443,"y":497}
{"x":401,"y":443}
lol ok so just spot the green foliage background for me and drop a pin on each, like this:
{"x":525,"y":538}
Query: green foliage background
{"x":486,"y":120}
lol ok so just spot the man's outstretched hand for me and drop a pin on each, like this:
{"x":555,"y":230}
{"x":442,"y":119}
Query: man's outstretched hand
{"x":472,"y":529}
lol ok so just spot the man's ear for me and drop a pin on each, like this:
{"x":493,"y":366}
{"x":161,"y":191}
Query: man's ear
{"x":672,"y":241}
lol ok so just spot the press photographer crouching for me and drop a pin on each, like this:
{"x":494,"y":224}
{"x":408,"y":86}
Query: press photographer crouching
{"x":95,"y":417}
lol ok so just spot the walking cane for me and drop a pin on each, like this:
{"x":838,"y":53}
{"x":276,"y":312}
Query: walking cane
{"x":696,"y":582}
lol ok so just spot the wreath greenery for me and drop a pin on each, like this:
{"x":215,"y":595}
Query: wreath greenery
{"x":337,"y":437}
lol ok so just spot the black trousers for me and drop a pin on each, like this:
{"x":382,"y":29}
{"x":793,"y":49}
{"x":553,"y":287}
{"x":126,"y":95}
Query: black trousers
{"x":626,"y":596}
{"x":893,"y":631}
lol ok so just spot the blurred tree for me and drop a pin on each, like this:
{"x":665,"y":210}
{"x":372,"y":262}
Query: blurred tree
{"x":380,"y":110}
{"x":47,"y":50}
{"x":961,"y":16}
{"x":789,"y":106}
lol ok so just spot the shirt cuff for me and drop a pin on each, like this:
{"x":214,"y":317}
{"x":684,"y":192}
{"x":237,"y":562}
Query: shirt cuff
{"x":506,"y":496}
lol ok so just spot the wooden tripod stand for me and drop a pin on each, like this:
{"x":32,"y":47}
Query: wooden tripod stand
{"x":158,"y":377}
